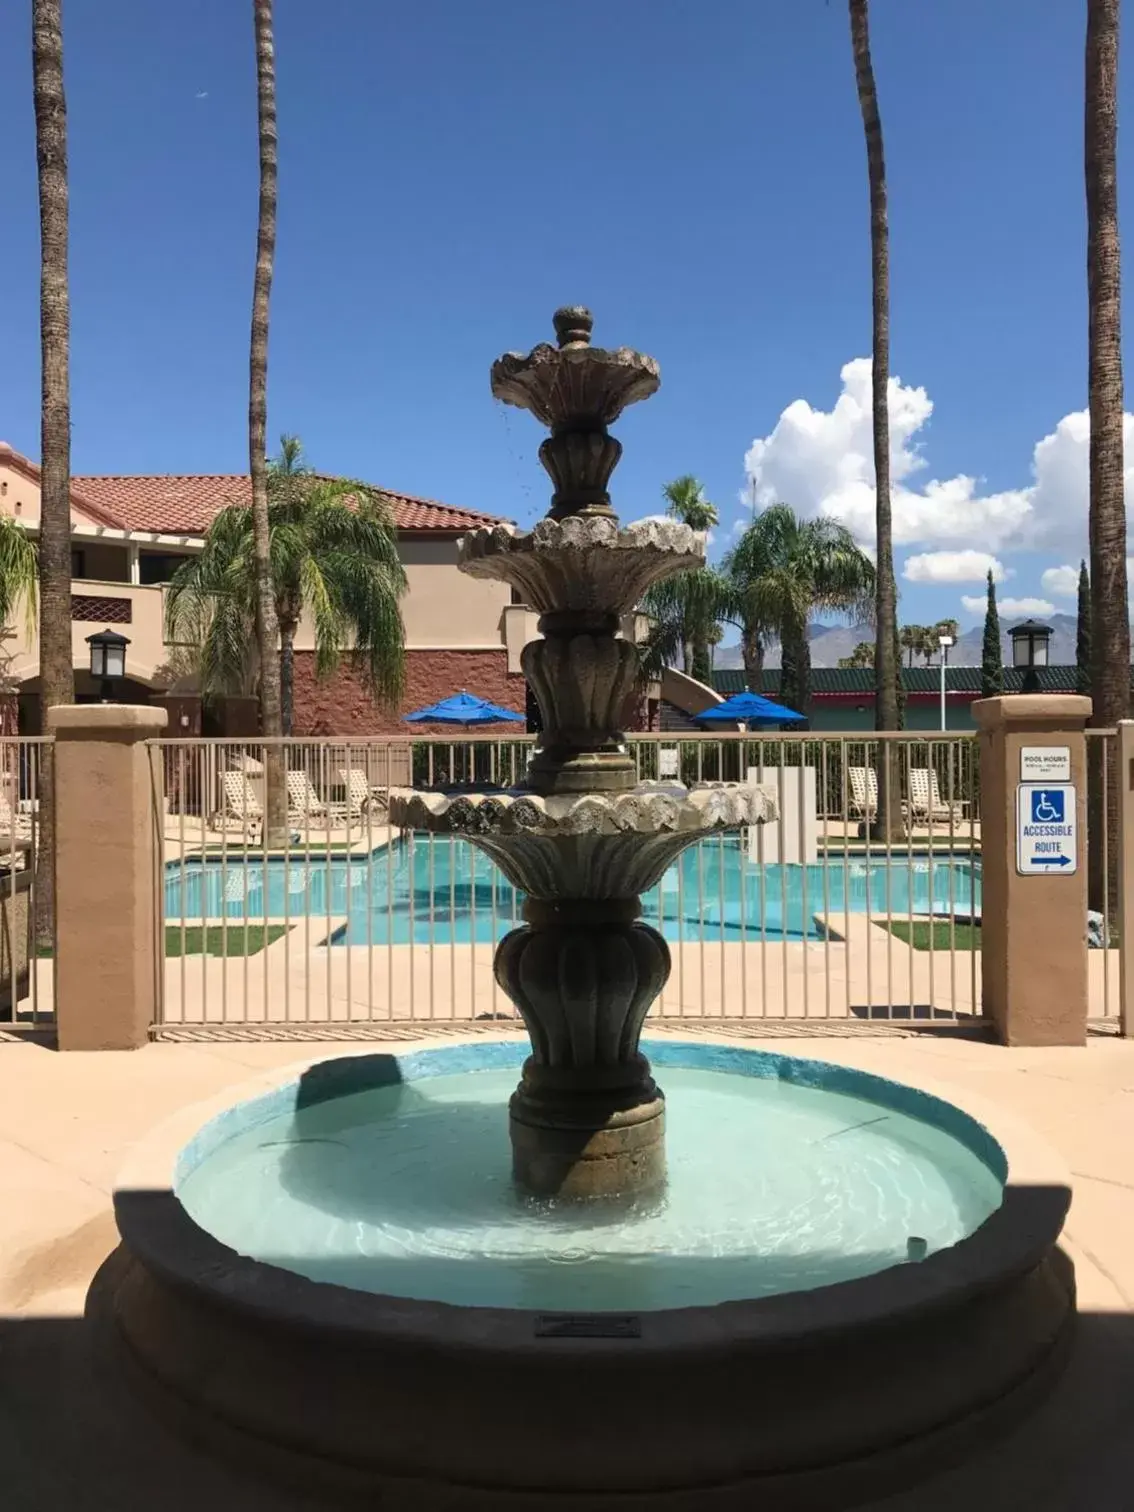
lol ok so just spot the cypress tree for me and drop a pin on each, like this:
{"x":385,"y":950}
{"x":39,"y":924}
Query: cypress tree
{"x":1083,"y":634}
{"x":991,"y":661}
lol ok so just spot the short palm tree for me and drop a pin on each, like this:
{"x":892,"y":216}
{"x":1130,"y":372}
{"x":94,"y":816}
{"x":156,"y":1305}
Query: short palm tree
{"x":861,"y":656}
{"x":334,"y":558}
{"x":686,"y":608}
{"x":19,"y":575}
{"x":685,"y":500}
{"x":910,"y":638}
{"x":782,"y":569}
{"x":684,"y":611}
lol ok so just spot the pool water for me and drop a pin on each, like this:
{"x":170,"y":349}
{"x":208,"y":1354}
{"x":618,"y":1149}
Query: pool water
{"x":773,"y":1187}
{"x":439,"y":890}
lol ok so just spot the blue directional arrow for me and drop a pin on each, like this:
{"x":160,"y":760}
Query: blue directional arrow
{"x":1051,"y":860}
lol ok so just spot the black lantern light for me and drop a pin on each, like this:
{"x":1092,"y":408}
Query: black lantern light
{"x":108,"y":660}
{"x":1029,"y":650}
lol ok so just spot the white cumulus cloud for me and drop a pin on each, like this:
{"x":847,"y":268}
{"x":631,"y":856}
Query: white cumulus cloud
{"x":821,"y":462}
{"x":1013,"y":608}
{"x":954,"y":567}
{"x":1062,"y":581}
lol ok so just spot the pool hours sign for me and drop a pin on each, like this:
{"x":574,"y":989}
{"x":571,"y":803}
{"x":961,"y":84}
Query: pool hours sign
{"x":1046,"y":825}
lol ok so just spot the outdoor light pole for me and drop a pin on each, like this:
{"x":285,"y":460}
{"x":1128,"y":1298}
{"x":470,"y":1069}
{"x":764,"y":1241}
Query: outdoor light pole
{"x":1030,"y":642}
{"x":108,"y":661}
{"x":944,"y":641}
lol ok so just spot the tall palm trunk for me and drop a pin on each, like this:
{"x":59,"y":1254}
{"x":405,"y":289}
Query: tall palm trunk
{"x":702,"y":659}
{"x":57,"y":679}
{"x":752,"y":652}
{"x":1110,"y":626}
{"x":267,"y":625}
{"x":795,"y":669}
{"x":288,"y":628}
{"x":887,"y":708}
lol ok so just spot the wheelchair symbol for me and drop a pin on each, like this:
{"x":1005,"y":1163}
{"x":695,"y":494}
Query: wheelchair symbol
{"x":1047,"y":808}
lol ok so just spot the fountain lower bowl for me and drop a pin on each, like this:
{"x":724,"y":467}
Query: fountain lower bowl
{"x":815,"y":1397}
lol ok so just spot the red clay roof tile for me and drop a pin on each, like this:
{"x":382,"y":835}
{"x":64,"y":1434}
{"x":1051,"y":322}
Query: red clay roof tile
{"x":183,"y":505}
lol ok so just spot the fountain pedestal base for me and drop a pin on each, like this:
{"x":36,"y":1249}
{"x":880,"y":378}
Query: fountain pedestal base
{"x":588,"y":1136}
{"x":587,"y":1119}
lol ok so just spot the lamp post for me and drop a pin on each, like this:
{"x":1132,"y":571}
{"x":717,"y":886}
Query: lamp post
{"x":944,"y":641}
{"x":1030,"y":642}
{"x":108,"y":660}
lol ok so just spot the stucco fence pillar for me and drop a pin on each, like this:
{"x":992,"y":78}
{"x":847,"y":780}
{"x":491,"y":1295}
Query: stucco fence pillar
{"x":1034,"y":916}
{"x":108,"y":859}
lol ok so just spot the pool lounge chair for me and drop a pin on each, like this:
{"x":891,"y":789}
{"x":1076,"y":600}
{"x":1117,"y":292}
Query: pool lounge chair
{"x":303,"y":803}
{"x":14,"y":825}
{"x":926,"y":803}
{"x":863,"y":801}
{"x":362,"y":799}
{"x":240,"y":804}
{"x":15,"y":835}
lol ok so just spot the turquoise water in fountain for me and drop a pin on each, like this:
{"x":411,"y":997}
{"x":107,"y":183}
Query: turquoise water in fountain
{"x":780,"y":1180}
{"x":441,"y":891}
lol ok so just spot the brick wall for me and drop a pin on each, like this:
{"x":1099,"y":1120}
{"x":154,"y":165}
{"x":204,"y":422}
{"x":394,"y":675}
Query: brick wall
{"x":342,"y":706}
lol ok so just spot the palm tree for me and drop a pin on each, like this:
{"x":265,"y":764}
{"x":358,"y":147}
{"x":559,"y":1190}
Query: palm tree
{"x":19,"y":575}
{"x":56,"y":672}
{"x":1110,"y":625}
{"x":684,"y":611}
{"x":783,"y":568}
{"x":685,"y":500}
{"x":861,"y":656}
{"x":948,"y":627}
{"x":695,"y":596}
{"x":267,"y":627}
{"x":910,"y":638}
{"x":887,"y":691}
{"x":334,"y":557}
{"x":740,"y":610}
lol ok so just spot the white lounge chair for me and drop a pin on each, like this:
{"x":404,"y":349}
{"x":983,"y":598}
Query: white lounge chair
{"x":303,"y":802}
{"x":863,"y":791}
{"x":15,"y":835}
{"x":926,"y":802}
{"x":240,"y":803}
{"x":362,"y":799}
{"x":16,"y":824}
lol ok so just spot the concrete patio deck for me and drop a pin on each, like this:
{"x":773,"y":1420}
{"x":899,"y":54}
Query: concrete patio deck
{"x":72,"y":1437}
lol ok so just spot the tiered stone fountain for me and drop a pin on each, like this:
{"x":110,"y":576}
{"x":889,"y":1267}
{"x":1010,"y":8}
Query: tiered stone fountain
{"x":304,"y":1286}
{"x":582,"y":837}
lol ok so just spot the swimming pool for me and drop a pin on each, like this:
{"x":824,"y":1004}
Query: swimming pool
{"x":439,"y":890}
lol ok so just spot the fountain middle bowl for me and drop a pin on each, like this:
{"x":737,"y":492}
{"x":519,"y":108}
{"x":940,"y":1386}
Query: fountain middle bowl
{"x":675,"y":1379}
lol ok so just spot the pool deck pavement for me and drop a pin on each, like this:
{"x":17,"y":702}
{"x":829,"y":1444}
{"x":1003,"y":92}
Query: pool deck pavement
{"x":72,"y":1437}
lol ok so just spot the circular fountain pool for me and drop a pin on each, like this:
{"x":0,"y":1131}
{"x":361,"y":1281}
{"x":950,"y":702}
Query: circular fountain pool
{"x":783,"y":1176}
{"x":330,"y":1271}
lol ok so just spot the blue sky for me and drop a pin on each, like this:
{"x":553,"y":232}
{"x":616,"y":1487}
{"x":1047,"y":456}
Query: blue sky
{"x":452,"y":171}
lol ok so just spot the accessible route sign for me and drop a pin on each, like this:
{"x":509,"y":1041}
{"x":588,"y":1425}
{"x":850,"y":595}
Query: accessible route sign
{"x":1046,"y":838}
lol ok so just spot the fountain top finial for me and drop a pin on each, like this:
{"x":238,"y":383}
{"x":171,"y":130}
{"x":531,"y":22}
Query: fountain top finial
{"x":573,"y":325}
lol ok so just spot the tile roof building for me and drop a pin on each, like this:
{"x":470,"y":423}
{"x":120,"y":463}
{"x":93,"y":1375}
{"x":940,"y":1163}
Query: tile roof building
{"x":130,"y":533}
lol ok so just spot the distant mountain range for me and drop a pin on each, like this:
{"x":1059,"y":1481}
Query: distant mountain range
{"x":830,"y":643}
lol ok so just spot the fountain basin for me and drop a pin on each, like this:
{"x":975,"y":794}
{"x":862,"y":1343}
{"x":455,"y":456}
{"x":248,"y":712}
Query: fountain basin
{"x":811,"y":1397}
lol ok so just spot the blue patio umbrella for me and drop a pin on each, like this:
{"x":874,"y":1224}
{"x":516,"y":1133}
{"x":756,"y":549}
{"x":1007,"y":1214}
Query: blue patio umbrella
{"x":748,"y":708}
{"x":465,"y":709}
